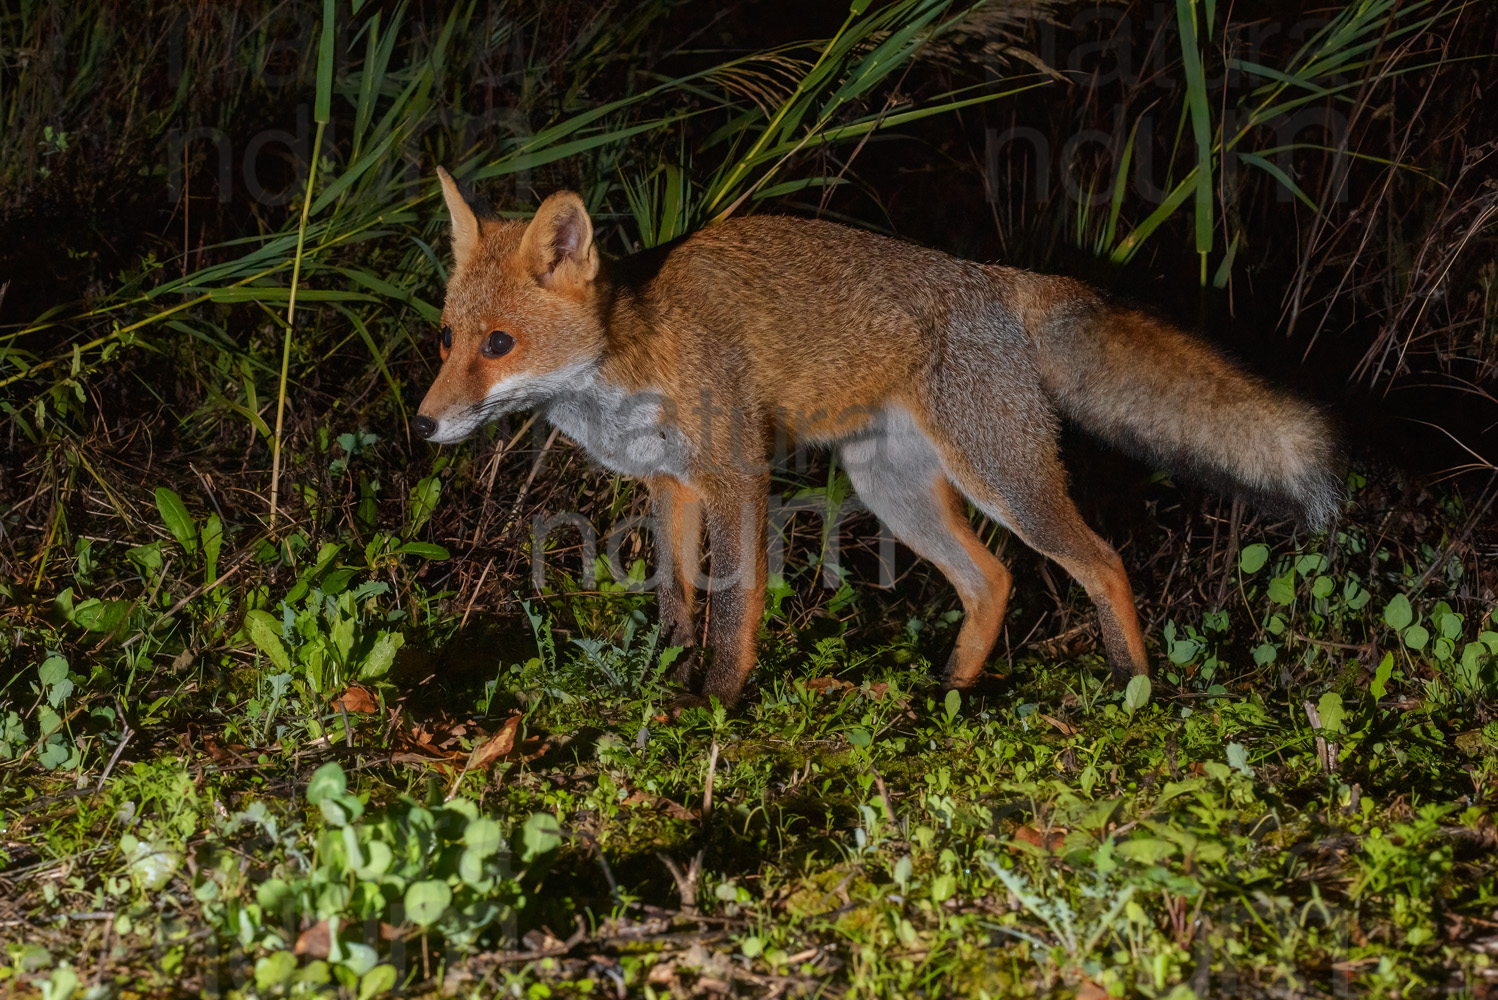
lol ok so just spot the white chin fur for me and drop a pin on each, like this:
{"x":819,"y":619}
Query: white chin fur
{"x":451,"y":431}
{"x":518,"y":392}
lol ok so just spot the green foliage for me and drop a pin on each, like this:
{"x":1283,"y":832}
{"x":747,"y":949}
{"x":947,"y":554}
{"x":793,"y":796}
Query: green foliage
{"x":183,"y":764}
{"x":446,"y":869}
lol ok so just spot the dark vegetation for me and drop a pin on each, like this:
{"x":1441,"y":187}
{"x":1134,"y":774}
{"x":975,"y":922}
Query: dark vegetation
{"x":327,"y":736}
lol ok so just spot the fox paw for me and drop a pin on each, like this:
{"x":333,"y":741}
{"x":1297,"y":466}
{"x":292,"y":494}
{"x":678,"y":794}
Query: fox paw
{"x":685,"y":701}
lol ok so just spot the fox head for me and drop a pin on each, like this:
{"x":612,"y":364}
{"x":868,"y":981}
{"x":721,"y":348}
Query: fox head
{"x":521,"y":324}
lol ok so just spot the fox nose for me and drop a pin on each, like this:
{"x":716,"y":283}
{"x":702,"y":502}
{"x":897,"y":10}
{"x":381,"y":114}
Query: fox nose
{"x":423,"y":427}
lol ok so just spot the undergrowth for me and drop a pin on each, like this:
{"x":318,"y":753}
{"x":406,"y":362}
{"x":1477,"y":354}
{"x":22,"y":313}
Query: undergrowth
{"x":287,"y":713}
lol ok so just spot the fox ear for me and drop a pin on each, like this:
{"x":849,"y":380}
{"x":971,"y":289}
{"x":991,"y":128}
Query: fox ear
{"x":558,"y":243}
{"x":465,"y":222}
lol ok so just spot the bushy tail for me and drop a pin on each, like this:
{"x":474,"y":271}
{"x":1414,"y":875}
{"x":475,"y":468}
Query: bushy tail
{"x":1153,"y":389}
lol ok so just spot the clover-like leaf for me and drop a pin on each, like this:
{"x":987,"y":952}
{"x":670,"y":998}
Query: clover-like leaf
{"x":426,"y":901}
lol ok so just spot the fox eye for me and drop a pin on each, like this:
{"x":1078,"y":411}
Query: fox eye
{"x":498,"y":344}
{"x":447,"y":338}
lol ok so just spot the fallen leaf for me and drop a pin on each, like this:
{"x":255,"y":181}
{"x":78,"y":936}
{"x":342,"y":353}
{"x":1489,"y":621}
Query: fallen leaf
{"x":496,"y":746}
{"x":315,"y":941}
{"x":877,"y":691}
{"x":1049,"y":841}
{"x":1090,"y":990}
{"x":822,"y":685}
{"x":1061,"y":727}
{"x":357,"y":698}
{"x":673,"y":809}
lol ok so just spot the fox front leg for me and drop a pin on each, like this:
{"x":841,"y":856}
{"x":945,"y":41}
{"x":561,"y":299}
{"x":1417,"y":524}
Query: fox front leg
{"x":677,"y":514}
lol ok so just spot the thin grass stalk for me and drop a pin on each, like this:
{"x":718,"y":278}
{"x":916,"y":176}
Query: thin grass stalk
{"x":296,"y":271}
{"x":323,"y":112}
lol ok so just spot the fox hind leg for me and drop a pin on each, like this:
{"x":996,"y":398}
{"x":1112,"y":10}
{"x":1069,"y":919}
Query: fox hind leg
{"x":736,"y":512}
{"x":899,"y":476}
{"x":1015,"y":476}
{"x":1034,"y":503}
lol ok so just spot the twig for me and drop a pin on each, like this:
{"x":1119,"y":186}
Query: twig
{"x":1326,"y":753}
{"x":476,"y":588}
{"x":686,"y":881}
{"x":707,"y":790}
{"x":115,"y":757}
{"x":889,"y":807}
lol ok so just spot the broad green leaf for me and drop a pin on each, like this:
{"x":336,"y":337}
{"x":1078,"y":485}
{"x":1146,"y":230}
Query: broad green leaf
{"x":424,"y":550}
{"x":47,"y":719}
{"x":177,"y":520}
{"x":100,"y":616}
{"x":483,"y":836}
{"x":265,"y":632}
{"x":213,"y":541}
{"x":426,"y":901}
{"x":1416,"y":636}
{"x":1253,"y":558}
{"x":62,"y":984}
{"x":272,"y":893}
{"x":542,"y":834}
{"x":1310,"y":564}
{"x":1238,"y":759}
{"x":1183,"y":650}
{"x":55,"y":754}
{"x":1281,"y":589}
{"x":424,"y":497}
{"x":327,"y":782}
{"x":377,"y":664}
{"x":1380,"y":686}
{"x":1137,"y":694}
{"x":377,"y":860}
{"x":1398,"y":613}
{"x":358,"y":958}
{"x":52,"y":671}
{"x":1332,"y":712}
{"x":274,"y":971}
{"x":1146,"y":850}
{"x":377,"y":982}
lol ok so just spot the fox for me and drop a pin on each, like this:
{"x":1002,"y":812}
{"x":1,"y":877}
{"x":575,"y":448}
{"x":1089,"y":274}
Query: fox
{"x":941,"y":382}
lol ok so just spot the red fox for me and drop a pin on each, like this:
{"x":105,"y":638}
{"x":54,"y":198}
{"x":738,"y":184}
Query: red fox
{"x":939,"y":380}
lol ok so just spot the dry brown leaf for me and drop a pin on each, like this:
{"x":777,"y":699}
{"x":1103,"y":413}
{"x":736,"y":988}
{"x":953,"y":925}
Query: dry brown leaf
{"x":357,"y":698}
{"x":673,"y":809}
{"x":1049,"y":841}
{"x":497,"y":746}
{"x":822,"y":685}
{"x":1061,"y":727}
{"x":1090,"y":990}
{"x":316,"y":941}
{"x":877,"y":691}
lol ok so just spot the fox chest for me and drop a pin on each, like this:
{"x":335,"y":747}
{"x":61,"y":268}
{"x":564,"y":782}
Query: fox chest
{"x":632,"y":434}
